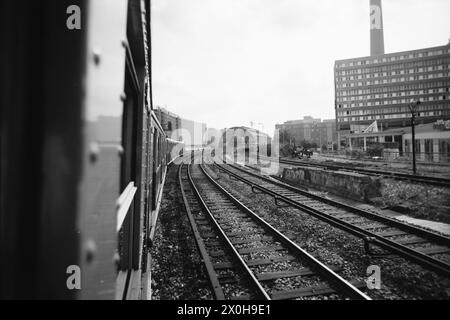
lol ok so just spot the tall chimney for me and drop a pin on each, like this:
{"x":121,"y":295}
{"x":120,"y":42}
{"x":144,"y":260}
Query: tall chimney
{"x":376,"y":28}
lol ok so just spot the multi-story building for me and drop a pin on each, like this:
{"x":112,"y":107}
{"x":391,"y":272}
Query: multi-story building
{"x":309,"y":129}
{"x":381,"y":87}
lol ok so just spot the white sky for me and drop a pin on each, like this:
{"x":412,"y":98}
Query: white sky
{"x":229,"y":62}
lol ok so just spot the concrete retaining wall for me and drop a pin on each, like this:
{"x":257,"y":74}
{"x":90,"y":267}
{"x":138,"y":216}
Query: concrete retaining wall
{"x":352,"y":185}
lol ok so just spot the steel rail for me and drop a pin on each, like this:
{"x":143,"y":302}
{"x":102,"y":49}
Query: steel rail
{"x":325,"y":271}
{"x":255,"y":283}
{"x":438,"y":238}
{"x":368,"y":236}
{"x":212,"y":275}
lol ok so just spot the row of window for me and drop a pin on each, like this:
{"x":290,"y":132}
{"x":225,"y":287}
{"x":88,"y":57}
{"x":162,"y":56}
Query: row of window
{"x":379,"y":74}
{"x":397,"y":68}
{"x":394,"y":67}
{"x":396,"y":88}
{"x":404,"y":109}
{"x":393,"y":94}
{"x":391,"y":116}
{"x":393,"y":101}
{"x":394,"y":80}
{"x":401,"y":57}
{"x":429,"y":149}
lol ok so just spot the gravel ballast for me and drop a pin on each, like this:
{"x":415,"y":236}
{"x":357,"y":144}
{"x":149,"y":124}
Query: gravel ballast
{"x":176,"y":268}
{"x":401,"y":279}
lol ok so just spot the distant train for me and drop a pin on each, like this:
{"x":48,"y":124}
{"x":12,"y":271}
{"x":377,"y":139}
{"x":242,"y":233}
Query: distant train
{"x":83,"y":156}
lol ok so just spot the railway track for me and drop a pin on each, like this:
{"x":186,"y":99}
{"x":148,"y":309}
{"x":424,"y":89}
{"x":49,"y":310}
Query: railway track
{"x":430,"y":180}
{"x":244,"y":256}
{"x":429,"y":249}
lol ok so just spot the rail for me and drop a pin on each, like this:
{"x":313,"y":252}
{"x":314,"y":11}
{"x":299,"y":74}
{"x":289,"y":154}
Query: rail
{"x":324,"y":271}
{"x":368,"y":236}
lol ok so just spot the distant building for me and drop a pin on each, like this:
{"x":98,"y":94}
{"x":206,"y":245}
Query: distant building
{"x":194,"y":133}
{"x":177,"y":128}
{"x":309,"y":129}
{"x":380,"y":87}
{"x":432,"y":141}
{"x":169,"y":121}
{"x":253,"y":134}
{"x":243,"y":143}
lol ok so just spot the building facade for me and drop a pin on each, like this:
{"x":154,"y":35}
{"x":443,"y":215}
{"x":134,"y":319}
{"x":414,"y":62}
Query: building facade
{"x":169,"y":121}
{"x":380,"y":87}
{"x":323,"y":133}
{"x":177,"y":128}
{"x":432,"y":141}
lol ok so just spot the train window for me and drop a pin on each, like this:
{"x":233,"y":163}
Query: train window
{"x":128,"y":170}
{"x":128,"y":240}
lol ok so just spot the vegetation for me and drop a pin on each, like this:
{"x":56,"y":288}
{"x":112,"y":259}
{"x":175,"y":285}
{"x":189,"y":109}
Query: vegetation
{"x":375,"y":150}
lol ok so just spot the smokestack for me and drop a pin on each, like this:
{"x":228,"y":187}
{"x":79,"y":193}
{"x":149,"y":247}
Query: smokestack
{"x":376,"y":28}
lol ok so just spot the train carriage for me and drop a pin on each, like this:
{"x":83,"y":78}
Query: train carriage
{"x":81,"y":142}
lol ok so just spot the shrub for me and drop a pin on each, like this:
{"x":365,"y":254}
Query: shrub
{"x":375,"y":150}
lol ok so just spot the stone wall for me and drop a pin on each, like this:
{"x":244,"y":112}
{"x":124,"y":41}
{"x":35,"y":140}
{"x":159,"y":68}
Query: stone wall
{"x":347,"y":184}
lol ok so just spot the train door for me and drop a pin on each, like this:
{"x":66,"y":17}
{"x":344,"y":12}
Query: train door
{"x":128,"y":167}
{"x":43,"y":68}
{"x":133,"y":163}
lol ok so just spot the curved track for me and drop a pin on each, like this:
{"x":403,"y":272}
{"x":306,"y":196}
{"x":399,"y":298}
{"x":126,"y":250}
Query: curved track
{"x":424,"y":247}
{"x":241,"y":249}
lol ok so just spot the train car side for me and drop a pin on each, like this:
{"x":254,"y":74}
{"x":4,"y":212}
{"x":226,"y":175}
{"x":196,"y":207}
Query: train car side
{"x":84,"y":147}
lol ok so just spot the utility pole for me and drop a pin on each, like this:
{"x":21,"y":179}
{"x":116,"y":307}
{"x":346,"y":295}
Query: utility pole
{"x":413,"y":109}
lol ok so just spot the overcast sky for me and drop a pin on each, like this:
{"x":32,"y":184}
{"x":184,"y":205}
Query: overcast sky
{"x":229,"y":62}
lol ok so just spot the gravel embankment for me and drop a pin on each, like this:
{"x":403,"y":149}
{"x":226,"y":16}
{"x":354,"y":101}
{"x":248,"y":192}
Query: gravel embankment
{"x":416,"y":199}
{"x":400,"y":279}
{"x":177,"y":271}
